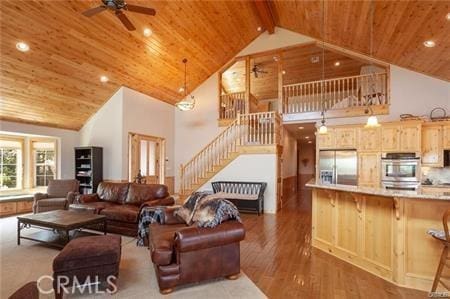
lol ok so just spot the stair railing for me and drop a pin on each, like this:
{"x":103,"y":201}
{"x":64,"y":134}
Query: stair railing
{"x":257,"y":129}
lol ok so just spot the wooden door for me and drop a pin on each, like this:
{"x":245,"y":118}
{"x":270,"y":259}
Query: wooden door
{"x":432,"y":150}
{"x":147,"y":158}
{"x":390,"y":138}
{"x":345,"y":138}
{"x":327,"y":141}
{"x":369,"y":139}
{"x":369,"y":169}
{"x":446,"y":135}
{"x":410,"y":138}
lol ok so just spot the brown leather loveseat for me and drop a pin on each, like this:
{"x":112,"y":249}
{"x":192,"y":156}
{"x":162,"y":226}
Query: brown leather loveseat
{"x":184,"y":254}
{"x":122,"y":202}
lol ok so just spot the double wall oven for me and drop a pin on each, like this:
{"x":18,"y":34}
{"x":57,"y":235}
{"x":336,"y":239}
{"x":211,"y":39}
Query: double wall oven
{"x":400,"y":171}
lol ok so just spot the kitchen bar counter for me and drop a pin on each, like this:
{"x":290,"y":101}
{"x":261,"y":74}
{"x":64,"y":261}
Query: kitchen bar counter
{"x":421,"y":193}
{"x":381,"y":231}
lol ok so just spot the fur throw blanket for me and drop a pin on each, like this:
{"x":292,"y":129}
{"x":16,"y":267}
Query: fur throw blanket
{"x":207,"y":210}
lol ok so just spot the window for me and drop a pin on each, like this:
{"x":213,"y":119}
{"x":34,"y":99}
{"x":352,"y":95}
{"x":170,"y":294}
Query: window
{"x":44,"y":162}
{"x":146,"y":158}
{"x":10,"y":164}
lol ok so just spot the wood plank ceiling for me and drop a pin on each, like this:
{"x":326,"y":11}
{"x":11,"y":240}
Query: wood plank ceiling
{"x":400,"y":28}
{"x":57,"y":83}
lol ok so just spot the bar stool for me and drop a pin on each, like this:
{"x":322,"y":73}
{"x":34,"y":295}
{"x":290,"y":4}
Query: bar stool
{"x":444,"y":237}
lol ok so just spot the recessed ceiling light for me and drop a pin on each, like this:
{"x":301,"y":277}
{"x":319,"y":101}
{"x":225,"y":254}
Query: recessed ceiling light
{"x":104,"y":79}
{"x":306,"y":137}
{"x":22,"y":47}
{"x":310,"y":141}
{"x":181,"y":89}
{"x":275,"y":58}
{"x":337,"y":63}
{"x":147,"y":32}
{"x":448,"y":16}
{"x":301,"y":128}
{"x":315,"y":59}
{"x":429,"y":43}
{"x":283,"y":72}
{"x":259,"y":29}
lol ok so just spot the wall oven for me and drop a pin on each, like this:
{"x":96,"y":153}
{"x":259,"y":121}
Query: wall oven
{"x":400,"y":171}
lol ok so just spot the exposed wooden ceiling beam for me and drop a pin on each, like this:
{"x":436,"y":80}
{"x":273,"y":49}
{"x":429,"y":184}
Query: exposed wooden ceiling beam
{"x":266,"y":15}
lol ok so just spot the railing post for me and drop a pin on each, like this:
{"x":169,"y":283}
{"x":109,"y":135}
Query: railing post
{"x":181,"y":179}
{"x":280,"y":84}
{"x":247,"y":84}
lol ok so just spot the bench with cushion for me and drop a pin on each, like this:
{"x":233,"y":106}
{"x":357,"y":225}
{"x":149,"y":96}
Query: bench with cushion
{"x":247,"y":196}
{"x":121,"y":203}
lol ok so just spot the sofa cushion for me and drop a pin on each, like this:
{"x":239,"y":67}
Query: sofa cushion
{"x":138,"y":193}
{"x":95,"y":206}
{"x":162,"y":238}
{"x":124,"y":213}
{"x":113,"y":192}
{"x":60,"y":188}
{"x":53,"y":202}
{"x":87,"y":252}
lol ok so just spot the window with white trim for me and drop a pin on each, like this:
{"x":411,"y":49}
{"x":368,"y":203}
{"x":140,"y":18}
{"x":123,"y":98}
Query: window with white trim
{"x":10,"y":164}
{"x":44,"y":157}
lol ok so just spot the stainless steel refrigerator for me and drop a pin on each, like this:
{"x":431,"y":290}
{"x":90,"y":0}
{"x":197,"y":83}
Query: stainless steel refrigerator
{"x":338,"y":167}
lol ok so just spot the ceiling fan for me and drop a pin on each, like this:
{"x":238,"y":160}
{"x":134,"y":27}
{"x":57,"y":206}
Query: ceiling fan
{"x":118,"y":6}
{"x":256,"y":70}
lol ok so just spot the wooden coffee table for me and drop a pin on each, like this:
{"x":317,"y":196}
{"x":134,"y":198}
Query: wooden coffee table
{"x":58,"y":227}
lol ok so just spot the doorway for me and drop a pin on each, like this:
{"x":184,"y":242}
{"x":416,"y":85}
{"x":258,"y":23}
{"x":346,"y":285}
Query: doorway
{"x":146,"y":157}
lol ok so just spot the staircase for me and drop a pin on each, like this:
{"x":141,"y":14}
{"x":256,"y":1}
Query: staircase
{"x":248,"y":133}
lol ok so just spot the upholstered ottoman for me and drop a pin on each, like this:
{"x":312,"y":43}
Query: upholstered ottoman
{"x":87,"y":260}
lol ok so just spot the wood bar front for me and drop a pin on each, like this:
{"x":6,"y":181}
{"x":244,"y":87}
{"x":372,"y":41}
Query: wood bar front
{"x":384,"y":233}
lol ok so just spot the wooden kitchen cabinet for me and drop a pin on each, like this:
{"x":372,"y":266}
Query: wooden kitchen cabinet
{"x":446,"y":137}
{"x":410,"y":138}
{"x":390,"y":140}
{"x":369,"y":169}
{"x":369,"y":139}
{"x":346,"y":137}
{"x":401,"y":137}
{"x":328,"y":140}
{"x":432,"y":149}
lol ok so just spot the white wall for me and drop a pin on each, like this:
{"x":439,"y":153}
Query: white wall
{"x":67,"y":140}
{"x":146,"y":115}
{"x":252,"y":168}
{"x":105,"y":129}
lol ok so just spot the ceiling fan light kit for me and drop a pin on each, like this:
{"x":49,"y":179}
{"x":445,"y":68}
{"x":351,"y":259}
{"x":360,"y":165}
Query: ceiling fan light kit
{"x":118,"y":6}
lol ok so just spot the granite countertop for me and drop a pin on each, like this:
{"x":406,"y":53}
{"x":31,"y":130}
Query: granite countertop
{"x":417,"y":194}
{"x":437,"y":186}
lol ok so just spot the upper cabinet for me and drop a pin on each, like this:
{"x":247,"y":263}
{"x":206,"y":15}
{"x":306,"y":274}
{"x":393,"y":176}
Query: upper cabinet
{"x":401,"y":137}
{"x":369,"y":169}
{"x":369,"y":139}
{"x":346,"y":137}
{"x":328,"y":140}
{"x":390,"y":141}
{"x":446,"y":137}
{"x":410,"y":137}
{"x":432,"y":149}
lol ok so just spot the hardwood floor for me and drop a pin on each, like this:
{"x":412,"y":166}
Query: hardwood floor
{"x":277,"y":256}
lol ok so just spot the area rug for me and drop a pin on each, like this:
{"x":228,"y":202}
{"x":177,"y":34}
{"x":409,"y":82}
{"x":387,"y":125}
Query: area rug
{"x":30,"y":260}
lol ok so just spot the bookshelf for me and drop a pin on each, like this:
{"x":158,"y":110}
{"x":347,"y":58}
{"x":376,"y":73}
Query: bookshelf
{"x":88,"y":168}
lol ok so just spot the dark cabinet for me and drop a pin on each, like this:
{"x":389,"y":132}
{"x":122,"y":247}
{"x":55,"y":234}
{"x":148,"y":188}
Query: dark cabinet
{"x":88,"y":168}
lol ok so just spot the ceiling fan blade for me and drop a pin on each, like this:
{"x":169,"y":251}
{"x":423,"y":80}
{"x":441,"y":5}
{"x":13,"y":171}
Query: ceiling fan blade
{"x":140,"y":9}
{"x":123,"y":18}
{"x":94,"y":11}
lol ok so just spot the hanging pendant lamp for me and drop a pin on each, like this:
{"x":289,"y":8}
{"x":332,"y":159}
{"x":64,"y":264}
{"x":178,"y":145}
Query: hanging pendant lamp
{"x":323,"y":128}
{"x":188,"y":102}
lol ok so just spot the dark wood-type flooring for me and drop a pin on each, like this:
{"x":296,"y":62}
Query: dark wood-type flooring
{"x":277,"y":256}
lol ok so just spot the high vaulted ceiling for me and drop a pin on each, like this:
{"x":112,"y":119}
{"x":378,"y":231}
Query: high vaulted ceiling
{"x":57,"y":82}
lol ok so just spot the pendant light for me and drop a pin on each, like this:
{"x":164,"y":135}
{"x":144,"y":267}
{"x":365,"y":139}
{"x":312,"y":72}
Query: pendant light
{"x":372,"y":121}
{"x":323,"y":128}
{"x":188,"y":102}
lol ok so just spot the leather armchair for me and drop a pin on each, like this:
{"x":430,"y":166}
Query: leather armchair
{"x":60,"y":194}
{"x":184,"y":254}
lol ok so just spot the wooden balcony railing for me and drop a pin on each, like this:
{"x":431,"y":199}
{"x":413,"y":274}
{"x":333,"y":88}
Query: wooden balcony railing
{"x":246,"y":130}
{"x":231,"y":104}
{"x":338,"y":93}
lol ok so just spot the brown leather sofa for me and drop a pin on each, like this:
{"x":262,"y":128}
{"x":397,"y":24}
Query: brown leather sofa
{"x":122,"y":202}
{"x":184,"y":254}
